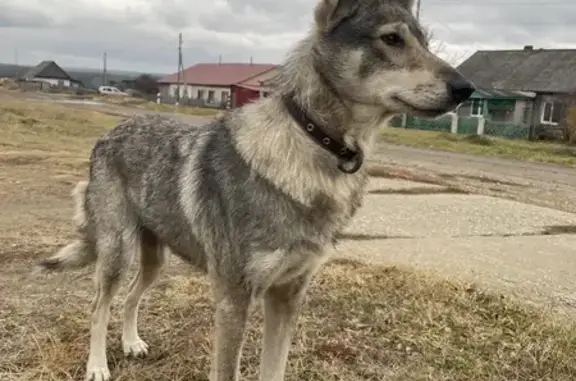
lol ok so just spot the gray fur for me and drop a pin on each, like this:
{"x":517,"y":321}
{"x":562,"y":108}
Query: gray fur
{"x":249,"y":198}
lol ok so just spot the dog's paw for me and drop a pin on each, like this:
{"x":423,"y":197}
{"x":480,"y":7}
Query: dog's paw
{"x":98,"y":374}
{"x":135,"y":349}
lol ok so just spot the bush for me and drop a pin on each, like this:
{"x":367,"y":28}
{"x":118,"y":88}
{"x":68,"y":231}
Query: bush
{"x":571,"y":124}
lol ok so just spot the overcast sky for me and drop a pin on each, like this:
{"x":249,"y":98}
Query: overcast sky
{"x":142,"y":35}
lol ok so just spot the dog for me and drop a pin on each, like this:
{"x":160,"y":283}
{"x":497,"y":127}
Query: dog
{"x":255,"y":198}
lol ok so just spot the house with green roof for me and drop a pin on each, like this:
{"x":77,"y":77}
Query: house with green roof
{"x":528,"y":87}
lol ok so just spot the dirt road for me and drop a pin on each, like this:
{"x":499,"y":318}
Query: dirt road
{"x":541,"y":184}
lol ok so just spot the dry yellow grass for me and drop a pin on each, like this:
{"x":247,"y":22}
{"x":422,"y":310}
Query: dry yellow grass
{"x":29,"y":125}
{"x":144,"y":104}
{"x":360,"y":322}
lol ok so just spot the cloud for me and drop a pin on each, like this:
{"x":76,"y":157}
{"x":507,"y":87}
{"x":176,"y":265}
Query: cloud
{"x":501,"y":24}
{"x":14,"y":17}
{"x":143,"y":34}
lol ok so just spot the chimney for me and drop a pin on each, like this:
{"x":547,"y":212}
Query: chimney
{"x":529,"y":48}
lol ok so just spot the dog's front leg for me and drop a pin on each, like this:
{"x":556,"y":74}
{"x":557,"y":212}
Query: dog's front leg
{"x":281,"y":307}
{"x":230,"y":324}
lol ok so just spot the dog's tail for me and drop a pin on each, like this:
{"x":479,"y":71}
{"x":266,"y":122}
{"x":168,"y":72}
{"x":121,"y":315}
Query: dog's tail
{"x":81,"y":252}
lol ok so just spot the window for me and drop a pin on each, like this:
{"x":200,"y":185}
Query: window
{"x":200,"y":94}
{"x":551,"y":113}
{"x":210,"y":96}
{"x":477,"y":107}
{"x":224,"y":96}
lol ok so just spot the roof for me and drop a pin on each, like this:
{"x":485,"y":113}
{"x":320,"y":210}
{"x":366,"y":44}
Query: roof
{"x":502,"y":94}
{"x":223,"y":74}
{"x":247,"y":86}
{"x":47,"y":69}
{"x":271,"y":82}
{"x":539,"y":70}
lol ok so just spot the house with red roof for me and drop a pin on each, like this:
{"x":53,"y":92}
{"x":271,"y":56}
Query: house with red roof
{"x":214,"y":84}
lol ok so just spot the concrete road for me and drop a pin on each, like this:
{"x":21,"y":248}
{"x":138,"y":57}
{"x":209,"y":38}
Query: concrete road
{"x":524,"y":249}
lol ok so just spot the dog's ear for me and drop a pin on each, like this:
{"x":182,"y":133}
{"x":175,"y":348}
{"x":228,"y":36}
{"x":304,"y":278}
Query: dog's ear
{"x":330,"y":13}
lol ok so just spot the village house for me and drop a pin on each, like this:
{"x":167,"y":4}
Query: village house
{"x":48,"y":72}
{"x":526,"y":87}
{"x":217,"y":84}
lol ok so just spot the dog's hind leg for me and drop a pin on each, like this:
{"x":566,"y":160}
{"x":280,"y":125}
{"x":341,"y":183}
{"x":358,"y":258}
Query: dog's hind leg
{"x":115,"y":247}
{"x":281,"y":307}
{"x":152,"y":259}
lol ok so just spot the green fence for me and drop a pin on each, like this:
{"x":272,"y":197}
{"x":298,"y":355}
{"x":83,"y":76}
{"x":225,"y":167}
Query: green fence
{"x":506,"y":130}
{"x":440,"y":124}
{"x":468,"y":126}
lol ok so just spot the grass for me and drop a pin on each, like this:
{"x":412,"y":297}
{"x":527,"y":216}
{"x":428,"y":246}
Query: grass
{"x":144,"y":104}
{"x":544,"y":152}
{"x":360,"y":322}
{"x":29,"y":126}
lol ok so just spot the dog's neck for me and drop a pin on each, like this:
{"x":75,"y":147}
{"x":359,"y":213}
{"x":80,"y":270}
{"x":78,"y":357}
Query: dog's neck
{"x":352,"y":123}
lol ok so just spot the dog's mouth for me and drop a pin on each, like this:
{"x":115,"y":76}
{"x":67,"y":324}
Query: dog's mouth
{"x":412,"y":109}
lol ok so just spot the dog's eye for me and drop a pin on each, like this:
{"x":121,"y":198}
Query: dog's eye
{"x":392,"y":39}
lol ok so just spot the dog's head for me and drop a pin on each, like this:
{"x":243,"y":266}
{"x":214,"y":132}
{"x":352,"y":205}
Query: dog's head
{"x":374,"y":52}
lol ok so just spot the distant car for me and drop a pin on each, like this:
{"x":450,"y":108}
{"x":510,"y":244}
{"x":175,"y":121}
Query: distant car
{"x":110,"y":90}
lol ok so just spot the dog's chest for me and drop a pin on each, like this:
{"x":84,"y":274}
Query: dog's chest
{"x":332,"y":211}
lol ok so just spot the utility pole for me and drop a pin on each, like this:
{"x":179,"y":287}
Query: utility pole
{"x":180,"y":70}
{"x":104,"y":73}
{"x":16,"y":62}
{"x":418,"y":6}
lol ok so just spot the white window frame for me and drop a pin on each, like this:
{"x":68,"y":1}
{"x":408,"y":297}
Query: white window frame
{"x":482,"y":103}
{"x":211,"y":98}
{"x":224,"y":96}
{"x":548,"y":122}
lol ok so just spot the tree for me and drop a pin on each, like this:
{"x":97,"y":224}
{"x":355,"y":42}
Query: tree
{"x":146,"y":84}
{"x":439,"y":48}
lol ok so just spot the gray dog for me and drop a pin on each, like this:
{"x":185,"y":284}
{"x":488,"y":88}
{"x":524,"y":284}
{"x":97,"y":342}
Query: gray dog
{"x":254,"y":198}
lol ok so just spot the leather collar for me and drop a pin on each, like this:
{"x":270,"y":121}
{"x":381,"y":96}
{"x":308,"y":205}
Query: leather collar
{"x":349,"y":160}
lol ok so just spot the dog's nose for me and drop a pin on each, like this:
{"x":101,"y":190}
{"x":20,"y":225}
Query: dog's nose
{"x":460,"y":89}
